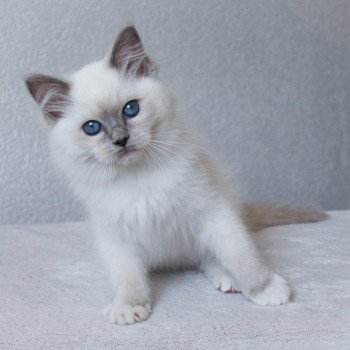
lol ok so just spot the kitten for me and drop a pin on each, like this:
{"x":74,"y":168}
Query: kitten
{"x":156,"y":198}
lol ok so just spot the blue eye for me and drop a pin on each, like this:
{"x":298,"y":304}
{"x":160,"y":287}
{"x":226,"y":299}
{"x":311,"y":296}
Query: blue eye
{"x":92,"y":127}
{"x":131,"y":109}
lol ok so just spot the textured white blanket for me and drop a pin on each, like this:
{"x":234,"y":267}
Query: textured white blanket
{"x":53,"y":288}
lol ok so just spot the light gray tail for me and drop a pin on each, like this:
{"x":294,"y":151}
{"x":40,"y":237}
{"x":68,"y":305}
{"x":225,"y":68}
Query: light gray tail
{"x":260,"y":215}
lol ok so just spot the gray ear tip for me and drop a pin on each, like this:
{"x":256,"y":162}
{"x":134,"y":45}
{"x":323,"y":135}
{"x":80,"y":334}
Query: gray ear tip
{"x":31,"y":78}
{"x":130,"y":27}
{"x":28,"y":79}
{"x":130,"y":31}
{"x":29,"y":82}
{"x":32,"y":81}
{"x":40,"y":86}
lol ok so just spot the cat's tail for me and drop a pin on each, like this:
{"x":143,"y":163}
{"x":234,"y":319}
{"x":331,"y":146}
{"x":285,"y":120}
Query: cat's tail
{"x":260,"y":215}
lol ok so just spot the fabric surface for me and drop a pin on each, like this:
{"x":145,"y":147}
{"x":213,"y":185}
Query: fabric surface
{"x":53,"y":288}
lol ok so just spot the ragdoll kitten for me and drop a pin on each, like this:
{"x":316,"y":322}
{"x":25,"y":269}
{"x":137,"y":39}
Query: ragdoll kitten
{"x":156,"y":198}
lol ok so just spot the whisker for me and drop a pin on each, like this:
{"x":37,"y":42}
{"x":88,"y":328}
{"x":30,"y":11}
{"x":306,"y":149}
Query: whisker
{"x":192,"y":156}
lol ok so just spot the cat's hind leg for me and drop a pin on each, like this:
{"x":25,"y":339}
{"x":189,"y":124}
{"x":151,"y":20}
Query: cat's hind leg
{"x":225,"y":237}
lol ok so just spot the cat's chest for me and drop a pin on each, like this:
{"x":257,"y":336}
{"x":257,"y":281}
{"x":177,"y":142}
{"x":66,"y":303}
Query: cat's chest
{"x":145,"y":203}
{"x":155,"y":218}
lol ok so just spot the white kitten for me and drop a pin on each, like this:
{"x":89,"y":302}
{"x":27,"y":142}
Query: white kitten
{"x":156,"y":198}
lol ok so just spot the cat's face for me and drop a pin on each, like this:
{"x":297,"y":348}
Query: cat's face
{"x":112,"y":119}
{"x":110,"y":111}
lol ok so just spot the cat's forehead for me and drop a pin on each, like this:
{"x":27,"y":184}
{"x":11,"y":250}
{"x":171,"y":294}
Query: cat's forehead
{"x":97,"y":88}
{"x":98,"y":84}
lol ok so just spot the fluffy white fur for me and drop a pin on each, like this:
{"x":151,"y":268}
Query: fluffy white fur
{"x":161,"y":203}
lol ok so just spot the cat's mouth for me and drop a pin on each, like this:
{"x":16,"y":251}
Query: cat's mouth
{"x":127,"y":152}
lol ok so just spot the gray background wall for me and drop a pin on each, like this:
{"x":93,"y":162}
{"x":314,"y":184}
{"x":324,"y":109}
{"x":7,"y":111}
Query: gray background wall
{"x":265,"y":82}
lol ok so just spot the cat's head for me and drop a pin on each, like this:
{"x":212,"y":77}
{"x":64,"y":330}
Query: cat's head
{"x":111,"y":111}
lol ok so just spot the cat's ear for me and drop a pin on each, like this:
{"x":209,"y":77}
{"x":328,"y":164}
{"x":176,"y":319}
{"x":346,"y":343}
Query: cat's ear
{"x":129,"y":56}
{"x":50,"y":93}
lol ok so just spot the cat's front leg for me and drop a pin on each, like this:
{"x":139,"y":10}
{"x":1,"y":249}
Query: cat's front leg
{"x":232,"y":246}
{"x":130,"y":279}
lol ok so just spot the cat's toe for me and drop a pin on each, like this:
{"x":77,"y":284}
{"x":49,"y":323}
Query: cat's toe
{"x":276,"y":292}
{"x":127,"y":314}
{"x":225,"y":283}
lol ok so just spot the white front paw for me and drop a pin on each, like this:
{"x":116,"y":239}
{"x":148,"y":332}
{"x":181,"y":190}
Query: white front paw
{"x":275,"y":292}
{"x":127,"y":314}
